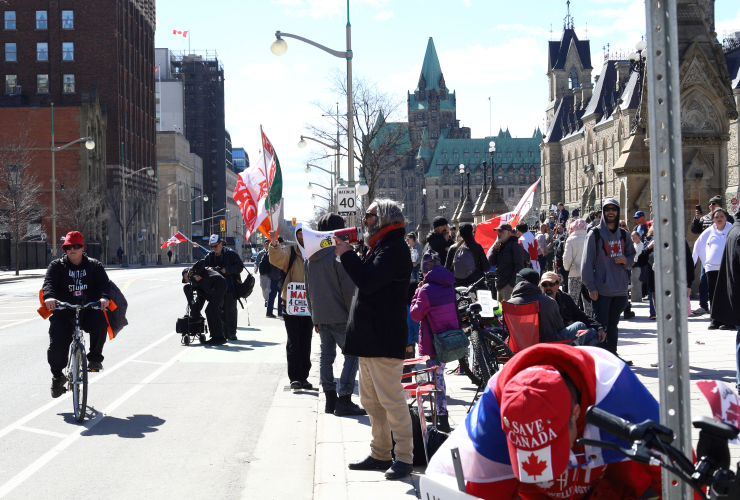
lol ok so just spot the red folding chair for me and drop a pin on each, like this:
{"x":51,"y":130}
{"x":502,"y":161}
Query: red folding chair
{"x":523,"y":321}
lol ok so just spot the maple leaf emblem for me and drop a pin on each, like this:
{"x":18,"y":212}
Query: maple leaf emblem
{"x":733,"y":411}
{"x":533,"y":466}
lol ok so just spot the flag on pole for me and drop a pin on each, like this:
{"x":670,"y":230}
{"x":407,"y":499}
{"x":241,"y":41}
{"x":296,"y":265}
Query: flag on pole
{"x":259,"y":191}
{"x":525,"y":204}
{"x":183,"y":33}
{"x":485,"y":232}
{"x":177,"y":238}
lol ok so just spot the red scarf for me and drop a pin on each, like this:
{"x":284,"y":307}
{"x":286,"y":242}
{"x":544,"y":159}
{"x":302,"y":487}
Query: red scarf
{"x":380,"y":234}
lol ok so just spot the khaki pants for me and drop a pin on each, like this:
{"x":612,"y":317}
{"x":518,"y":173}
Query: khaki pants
{"x":504,"y":294}
{"x":382,"y":397}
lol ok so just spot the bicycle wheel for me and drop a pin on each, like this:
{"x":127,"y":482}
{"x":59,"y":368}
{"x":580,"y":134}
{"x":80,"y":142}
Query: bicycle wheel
{"x":481,"y":363}
{"x":79,"y":382}
{"x":467,"y":370}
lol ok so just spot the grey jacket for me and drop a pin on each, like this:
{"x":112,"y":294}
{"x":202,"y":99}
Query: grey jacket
{"x":599,"y":272}
{"x":258,"y":259}
{"x":551,"y":322}
{"x":329,"y":289}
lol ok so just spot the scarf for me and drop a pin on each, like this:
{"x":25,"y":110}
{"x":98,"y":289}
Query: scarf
{"x":380,"y":234}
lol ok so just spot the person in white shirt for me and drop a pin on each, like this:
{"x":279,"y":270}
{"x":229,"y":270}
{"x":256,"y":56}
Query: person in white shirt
{"x":572,"y":257}
{"x":636,"y":283}
{"x":709,"y":248}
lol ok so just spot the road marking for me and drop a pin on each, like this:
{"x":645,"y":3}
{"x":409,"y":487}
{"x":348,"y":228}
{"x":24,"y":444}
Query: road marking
{"x":62,"y":398}
{"x":69,"y":440}
{"x":142,"y":361}
{"x":18,"y":323}
{"x":41,"y":431}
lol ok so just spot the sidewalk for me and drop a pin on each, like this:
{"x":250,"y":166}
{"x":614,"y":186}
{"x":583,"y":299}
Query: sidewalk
{"x":40,"y":273}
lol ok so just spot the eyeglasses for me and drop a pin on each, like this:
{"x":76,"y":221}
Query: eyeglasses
{"x":550,"y":285}
{"x":214,"y":246}
{"x":713,"y":203}
{"x":368,"y":215}
{"x":76,"y":247}
{"x":610,"y":209}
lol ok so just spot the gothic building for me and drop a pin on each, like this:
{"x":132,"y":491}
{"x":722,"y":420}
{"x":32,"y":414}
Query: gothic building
{"x":436,"y":145}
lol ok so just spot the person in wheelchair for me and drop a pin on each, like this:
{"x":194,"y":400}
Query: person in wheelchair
{"x":211,"y":286}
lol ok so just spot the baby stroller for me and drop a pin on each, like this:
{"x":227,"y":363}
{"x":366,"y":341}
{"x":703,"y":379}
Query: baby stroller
{"x":192,"y":325}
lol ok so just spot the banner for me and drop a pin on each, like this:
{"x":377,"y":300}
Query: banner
{"x":297,"y":301}
{"x":177,"y":238}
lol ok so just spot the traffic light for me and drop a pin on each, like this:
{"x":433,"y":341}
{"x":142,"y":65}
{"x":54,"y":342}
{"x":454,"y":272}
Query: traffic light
{"x":294,"y":221}
{"x":223,"y":225}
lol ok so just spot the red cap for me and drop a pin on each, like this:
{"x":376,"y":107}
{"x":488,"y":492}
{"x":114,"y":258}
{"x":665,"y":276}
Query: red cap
{"x":535,"y":409}
{"x":73,"y":238}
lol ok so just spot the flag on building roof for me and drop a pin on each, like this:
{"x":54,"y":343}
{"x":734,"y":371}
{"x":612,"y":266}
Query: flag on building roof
{"x":183,"y":33}
{"x":177,"y":238}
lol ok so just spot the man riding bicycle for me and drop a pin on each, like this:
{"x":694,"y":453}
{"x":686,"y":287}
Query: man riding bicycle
{"x":519,"y":439}
{"x":76,"y":279}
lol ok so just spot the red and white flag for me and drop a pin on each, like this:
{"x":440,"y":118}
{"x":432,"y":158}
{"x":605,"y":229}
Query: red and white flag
{"x":723,"y":401}
{"x":177,"y":238}
{"x":525,"y":204}
{"x":183,"y":33}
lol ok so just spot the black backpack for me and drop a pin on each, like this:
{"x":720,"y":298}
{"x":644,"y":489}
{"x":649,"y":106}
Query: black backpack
{"x":244,"y":290}
{"x":117,"y":318}
{"x":265,"y":266}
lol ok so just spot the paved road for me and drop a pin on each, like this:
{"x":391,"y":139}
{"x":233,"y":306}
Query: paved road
{"x":165,"y":421}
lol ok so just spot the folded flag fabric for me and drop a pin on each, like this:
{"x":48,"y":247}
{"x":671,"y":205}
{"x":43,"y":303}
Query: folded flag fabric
{"x":183,"y":33}
{"x":177,"y":238}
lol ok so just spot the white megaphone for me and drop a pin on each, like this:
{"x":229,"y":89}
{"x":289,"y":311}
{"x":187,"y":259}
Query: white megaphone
{"x":313,"y":241}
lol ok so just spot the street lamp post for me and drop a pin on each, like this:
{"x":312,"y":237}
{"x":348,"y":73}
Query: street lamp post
{"x":150,"y":173}
{"x":332,"y":173}
{"x":600,"y":170}
{"x":90,"y":145}
{"x":190,"y":211}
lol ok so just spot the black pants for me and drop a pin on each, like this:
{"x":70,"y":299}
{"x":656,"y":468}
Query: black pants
{"x":712,"y":282}
{"x":298,"y":348}
{"x":61,"y":330}
{"x":229,"y":314}
{"x":564,"y":277}
{"x":213,"y":310}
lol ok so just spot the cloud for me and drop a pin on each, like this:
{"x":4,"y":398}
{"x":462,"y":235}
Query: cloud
{"x":517,"y":60}
{"x":727,"y":25}
{"x":383,"y":15}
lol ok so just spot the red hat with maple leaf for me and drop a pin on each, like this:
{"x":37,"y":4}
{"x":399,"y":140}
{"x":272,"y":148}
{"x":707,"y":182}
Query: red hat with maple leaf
{"x":535,"y":409}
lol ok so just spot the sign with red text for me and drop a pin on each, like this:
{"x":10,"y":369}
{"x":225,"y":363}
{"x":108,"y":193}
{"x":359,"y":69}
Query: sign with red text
{"x":297,"y":301}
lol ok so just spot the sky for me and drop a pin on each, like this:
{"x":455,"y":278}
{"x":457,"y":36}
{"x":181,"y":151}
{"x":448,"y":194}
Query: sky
{"x":487,"y":48}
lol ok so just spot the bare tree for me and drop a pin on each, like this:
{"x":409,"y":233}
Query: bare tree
{"x":82,"y":207}
{"x":381,"y":141}
{"x":136,"y":201}
{"x":20,"y":190}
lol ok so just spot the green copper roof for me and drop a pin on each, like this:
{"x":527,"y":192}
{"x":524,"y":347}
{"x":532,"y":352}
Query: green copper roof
{"x":431,"y":70}
{"x":444,"y":153}
{"x":424,"y":151}
{"x":450,"y":103}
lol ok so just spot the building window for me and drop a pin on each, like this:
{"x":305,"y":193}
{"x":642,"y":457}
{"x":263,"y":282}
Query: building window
{"x":573,"y":79}
{"x":508,"y":154}
{"x":41,"y":20}
{"x":11,"y":84}
{"x":42,"y":84}
{"x":436,"y":194}
{"x":511,"y":192}
{"x":68,"y":20}
{"x":521,"y":191}
{"x":411,"y":182}
{"x":11,"y":53}
{"x":454,"y":155}
{"x":466,"y":155}
{"x":445,"y":193}
{"x":477,"y":155}
{"x":393,"y":183}
{"x":156,"y":97}
{"x":498,"y":155}
{"x":501,"y":190}
{"x":9,"y":19}
{"x":520,"y":154}
{"x":444,"y":156}
{"x":457,"y":193}
{"x":531,"y":154}
{"x":69,"y":84}
{"x":68,"y":51}
{"x":42,"y":51}
{"x":158,"y":117}
{"x":381,"y":183}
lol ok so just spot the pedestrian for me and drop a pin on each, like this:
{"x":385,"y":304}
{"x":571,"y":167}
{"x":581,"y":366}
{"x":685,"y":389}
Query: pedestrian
{"x":329,"y":292}
{"x":469,"y":262}
{"x":434,"y":308}
{"x":559,"y":251}
{"x":509,"y":258}
{"x":576,"y":213}
{"x":439,"y":238}
{"x":595,"y":219}
{"x":417,"y":250}
{"x":572,"y":258}
{"x":276,"y":281}
{"x":646,"y":262}
{"x":227,"y":262}
{"x":169,"y":256}
{"x":529,"y":244}
{"x":636,"y":285}
{"x":562,"y":214}
{"x":709,"y":248}
{"x":211,"y":286}
{"x":377,"y":333}
{"x":119,"y":254}
{"x":641,"y":225}
{"x":263,"y":269}
{"x":604,"y":270}
{"x":453,"y":235}
{"x":698,"y":225}
{"x":542,"y":243}
{"x":289,"y":259}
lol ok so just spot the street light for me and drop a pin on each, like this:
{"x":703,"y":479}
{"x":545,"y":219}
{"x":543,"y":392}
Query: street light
{"x":312,"y":184}
{"x":150,"y":173}
{"x":600,"y":169}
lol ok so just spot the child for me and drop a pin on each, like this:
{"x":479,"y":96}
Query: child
{"x":433,"y":306}
{"x":635,"y":276}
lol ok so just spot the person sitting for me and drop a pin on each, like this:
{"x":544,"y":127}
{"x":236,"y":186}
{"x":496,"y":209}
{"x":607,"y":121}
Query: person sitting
{"x":212,"y":287}
{"x":552,"y":327}
{"x":519,"y":441}
{"x":569,"y":311}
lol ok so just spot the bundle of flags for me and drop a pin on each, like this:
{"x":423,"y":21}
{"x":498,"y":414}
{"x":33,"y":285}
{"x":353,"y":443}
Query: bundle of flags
{"x":259,"y":191}
{"x":177,"y":238}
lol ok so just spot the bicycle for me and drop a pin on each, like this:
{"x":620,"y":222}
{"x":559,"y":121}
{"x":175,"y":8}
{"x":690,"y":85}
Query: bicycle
{"x":651,"y":444}
{"x":77,"y":361}
{"x":488,"y":347}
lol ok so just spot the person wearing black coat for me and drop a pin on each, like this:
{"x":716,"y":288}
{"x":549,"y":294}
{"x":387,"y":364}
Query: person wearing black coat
{"x":439,"y":238}
{"x":644,"y":260}
{"x":230,"y":265}
{"x":211,"y":286}
{"x":468,"y":243}
{"x":508,"y":257}
{"x":377,"y":333}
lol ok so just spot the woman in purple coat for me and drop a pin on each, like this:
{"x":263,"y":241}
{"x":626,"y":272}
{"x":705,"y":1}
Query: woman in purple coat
{"x":433,"y":306}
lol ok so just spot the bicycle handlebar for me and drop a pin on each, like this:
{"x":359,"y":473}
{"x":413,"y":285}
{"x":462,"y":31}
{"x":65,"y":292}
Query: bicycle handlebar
{"x":627,"y":430}
{"x":67,"y":305}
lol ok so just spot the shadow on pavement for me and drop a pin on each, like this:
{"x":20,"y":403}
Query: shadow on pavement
{"x":135,"y":426}
{"x":247,"y":329}
{"x":253,"y":343}
{"x":695,"y":373}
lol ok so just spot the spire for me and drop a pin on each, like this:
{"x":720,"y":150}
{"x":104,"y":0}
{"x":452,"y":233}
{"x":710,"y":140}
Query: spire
{"x":424,"y":150}
{"x":431,"y":71}
{"x":568,"y":23}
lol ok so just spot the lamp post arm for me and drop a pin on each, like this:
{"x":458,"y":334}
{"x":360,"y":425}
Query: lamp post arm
{"x":315,"y":184}
{"x":59,"y":148}
{"x":126,"y":176}
{"x":322,"y":197}
{"x":325,"y":170}
{"x":336,"y":148}
{"x":335,"y":53}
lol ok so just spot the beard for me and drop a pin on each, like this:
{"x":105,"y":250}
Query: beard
{"x":370,"y":231}
{"x":549,"y":292}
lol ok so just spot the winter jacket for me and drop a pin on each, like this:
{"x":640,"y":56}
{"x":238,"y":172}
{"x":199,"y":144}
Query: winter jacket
{"x":560,"y":251}
{"x":599,"y":272}
{"x":509,"y":260}
{"x":481,"y":264}
{"x":645,"y":260}
{"x":209,"y":277}
{"x":571,"y":313}
{"x":87,"y":282}
{"x":433,"y":306}
{"x":377,"y":325}
{"x":229,"y":261}
{"x":328,"y":288}
{"x":699,"y":225}
{"x":709,"y":247}
{"x":439,"y":244}
{"x":573,"y":254}
{"x":280,"y":258}
{"x":727,"y":293}
{"x":260,"y":255}
{"x":563,"y":216}
{"x":419,"y":253}
{"x":551,"y":322}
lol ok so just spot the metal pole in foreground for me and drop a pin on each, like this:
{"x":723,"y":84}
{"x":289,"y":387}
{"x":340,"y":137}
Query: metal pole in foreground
{"x":350,"y":114}
{"x":53,"y":193}
{"x":666,"y":180}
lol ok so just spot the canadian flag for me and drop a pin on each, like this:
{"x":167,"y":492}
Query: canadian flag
{"x":177,"y":238}
{"x":183,"y":33}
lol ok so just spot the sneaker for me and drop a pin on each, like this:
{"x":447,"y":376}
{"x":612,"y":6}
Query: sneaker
{"x":345,"y":407}
{"x":233,"y":336}
{"x":57,"y":386}
{"x":270,"y":316}
{"x":626,"y":361}
{"x":652,"y":318}
{"x":654,"y":365}
{"x":216,"y":341}
{"x":305,"y":384}
{"x":95,"y":366}
{"x":398,"y":470}
{"x":701,"y":310}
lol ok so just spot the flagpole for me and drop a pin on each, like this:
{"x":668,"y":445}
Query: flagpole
{"x":490,"y":132}
{"x":267,"y":176}
{"x":189,"y":36}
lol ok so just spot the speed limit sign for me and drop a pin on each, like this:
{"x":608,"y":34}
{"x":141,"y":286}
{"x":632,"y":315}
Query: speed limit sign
{"x":346,"y":201}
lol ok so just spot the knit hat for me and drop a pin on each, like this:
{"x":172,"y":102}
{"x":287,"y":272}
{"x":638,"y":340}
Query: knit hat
{"x":717,"y":199}
{"x":330,"y":222}
{"x":429,"y":261}
{"x":439,"y":221}
{"x":529,"y":275}
{"x":74,"y":238}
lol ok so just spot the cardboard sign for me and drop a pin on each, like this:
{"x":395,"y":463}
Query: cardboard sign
{"x":485,"y":299}
{"x":297,"y":301}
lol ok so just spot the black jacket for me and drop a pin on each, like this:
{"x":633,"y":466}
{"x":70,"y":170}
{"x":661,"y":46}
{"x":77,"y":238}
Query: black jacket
{"x":85,"y":283}
{"x":377,"y":318}
{"x":550,"y":320}
{"x":481,"y":264}
{"x":209,"y":277}
{"x":508,"y":261}
{"x":571,"y":313}
{"x":228,"y":260}
{"x":699,"y":225}
{"x":727,"y":293}
{"x":643,"y":260}
{"x":439,"y":244}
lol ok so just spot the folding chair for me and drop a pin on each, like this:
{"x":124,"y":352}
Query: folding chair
{"x":523,"y":321}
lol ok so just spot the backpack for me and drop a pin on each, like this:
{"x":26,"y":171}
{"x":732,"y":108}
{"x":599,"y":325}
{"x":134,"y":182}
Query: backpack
{"x":265,"y":268}
{"x":244,"y":290}
{"x":597,"y":236}
{"x":117,"y":317}
{"x":463,"y":263}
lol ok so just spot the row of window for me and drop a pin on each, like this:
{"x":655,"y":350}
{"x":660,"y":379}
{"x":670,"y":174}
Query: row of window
{"x":42,"y":84}
{"x":42,"y":20}
{"x":498,"y":155}
{"x":42,"y":52}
